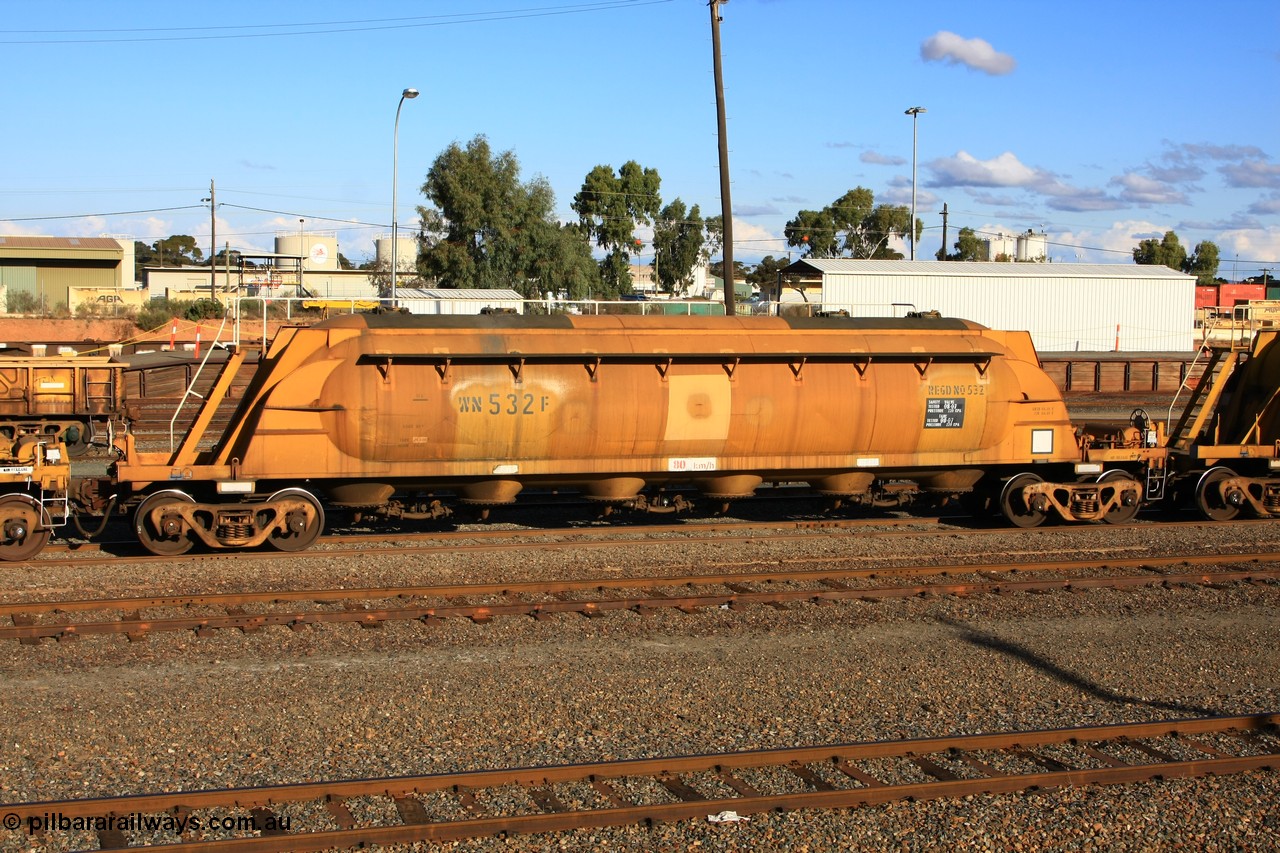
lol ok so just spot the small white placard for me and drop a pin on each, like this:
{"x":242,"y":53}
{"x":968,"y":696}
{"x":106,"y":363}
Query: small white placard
{"x":1042,"y":441}
{"x":692,"y":463}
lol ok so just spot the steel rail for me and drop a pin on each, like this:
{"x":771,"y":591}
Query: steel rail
{"x":832,"y":581}
{"x":954,"y":766}
{"x":560,"y":535}
{"x":579,"y":537}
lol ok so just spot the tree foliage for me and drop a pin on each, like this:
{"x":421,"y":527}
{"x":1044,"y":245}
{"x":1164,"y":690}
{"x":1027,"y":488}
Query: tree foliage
{"x":176,"y":250}
{"x":853,"y":225}
{"x":610,"y":207}
{"x":1169,"y":252}
{"x":740,"y":270}
{"x":678,"y":239}
{"x":1203,"y":264}
{"x":489,"y":230}
{"x":968,"y":247}
{"x":714,"y":226}
{"x":813,"y":232}
{"x":765,"y":274}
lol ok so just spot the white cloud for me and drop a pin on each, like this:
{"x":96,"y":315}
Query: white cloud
{"x":1258,"y":245}
{"x":1137,"y":189}
{"x":966,"y":170}
{"x":1114,"y":245}
{"x":1252,"y":173}
{"x":1266,"y":206}
{"x":972,"y":53}
{"x":1006,"y":170}
{"x":749,"y":232}
{"x":877,"y":159}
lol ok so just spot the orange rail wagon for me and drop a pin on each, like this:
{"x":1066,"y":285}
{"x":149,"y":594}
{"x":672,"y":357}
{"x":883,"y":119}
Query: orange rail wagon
{"x":396,"y":414}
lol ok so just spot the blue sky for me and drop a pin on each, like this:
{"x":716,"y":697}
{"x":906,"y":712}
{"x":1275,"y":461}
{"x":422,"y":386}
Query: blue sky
{"x":1100,"y":123}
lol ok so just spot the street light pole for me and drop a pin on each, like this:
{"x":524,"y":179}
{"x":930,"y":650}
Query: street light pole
{"x":395,"y":166}
{"x":914,"y":112}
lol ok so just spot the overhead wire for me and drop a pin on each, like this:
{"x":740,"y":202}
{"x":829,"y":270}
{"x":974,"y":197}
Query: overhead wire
{"x":211,"y":33}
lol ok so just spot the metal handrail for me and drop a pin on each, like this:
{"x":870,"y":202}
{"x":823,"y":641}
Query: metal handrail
{"x":191,"y":387}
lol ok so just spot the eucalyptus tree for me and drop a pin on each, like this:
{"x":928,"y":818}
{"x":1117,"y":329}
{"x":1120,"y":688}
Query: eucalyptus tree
{"x":1203,"y":263}
{"x":678,"y":239}
{"x":968,"y":247}
{"x":489,"y":230}
{"x":813,"y":232}
{"x":610,"y":206}
{"x":1167,"y":252}
{"x":764,"y":275}
{"x":852,"y":225}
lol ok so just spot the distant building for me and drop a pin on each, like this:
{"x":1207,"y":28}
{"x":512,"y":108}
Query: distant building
{"x":1028,"y":247}
{"x":1125,"y":307}
{"x":445,"y":300}
{"x":50,"y":269}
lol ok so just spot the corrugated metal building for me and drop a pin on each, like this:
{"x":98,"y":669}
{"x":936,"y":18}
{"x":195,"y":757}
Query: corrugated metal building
{"x":1125,"y":307}
{"x":261,"y":281}
{"x":460,"y":300}
{"x":46,"y":268}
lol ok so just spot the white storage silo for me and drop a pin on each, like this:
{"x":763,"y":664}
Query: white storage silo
{"x":407,"y":250}
{"x":1032,"y":246}
{"x":319,"y":251}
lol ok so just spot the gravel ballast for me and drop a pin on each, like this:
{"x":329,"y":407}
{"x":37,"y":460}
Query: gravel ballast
{"x":103,"y":716}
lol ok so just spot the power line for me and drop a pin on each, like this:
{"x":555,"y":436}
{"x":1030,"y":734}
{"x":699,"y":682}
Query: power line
{"x":309,"y":217}
{"x":332,"y":27}
{"x":91,"y":215}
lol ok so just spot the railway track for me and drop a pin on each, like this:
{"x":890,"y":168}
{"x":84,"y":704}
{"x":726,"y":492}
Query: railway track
{"x":473,"y":538}
{"x":138,"y":617}
{"x":581,"y":535}
{"x":719,"y":787}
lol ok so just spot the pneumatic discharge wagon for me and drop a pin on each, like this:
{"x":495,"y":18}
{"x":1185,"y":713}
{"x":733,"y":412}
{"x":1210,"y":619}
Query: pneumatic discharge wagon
{"x":407,"y":416}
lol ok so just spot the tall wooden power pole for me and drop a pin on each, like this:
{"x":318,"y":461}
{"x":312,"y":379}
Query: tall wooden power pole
{"x":726,"y":206}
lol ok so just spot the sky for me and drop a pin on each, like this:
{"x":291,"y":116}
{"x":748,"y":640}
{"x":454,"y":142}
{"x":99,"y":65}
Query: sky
{"x":1100,"y":124}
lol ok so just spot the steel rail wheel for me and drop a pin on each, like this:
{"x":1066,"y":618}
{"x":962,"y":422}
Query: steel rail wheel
{"x":1015,"y":508}
{"x":1121,"y":513}
{"x":1209,"y":498}
{"x":165,"y":532}
{"x":301,"y":528}
{"x":22,"y":530}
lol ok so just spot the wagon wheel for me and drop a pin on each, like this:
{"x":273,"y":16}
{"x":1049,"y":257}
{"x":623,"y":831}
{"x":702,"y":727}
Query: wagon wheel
{"x":1209,"y":495}
{"x":298,"y":533}
{"x":1015,"y":508}
{"x":22,"y":531}
{"x":1119,"y":514}
{"x":76,"y":439}
{"x":168,"y":533}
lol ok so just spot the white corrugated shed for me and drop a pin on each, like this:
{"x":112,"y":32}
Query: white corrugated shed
{"x":460,"y":300}
{"x":1090,"y":307}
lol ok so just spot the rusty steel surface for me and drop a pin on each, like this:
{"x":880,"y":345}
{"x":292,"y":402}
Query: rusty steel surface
{"x":612,"y":404}
{"x":403,"y":417}
{"x":601,"y":595}
{"x":832,"y":776}
{"x":60,"y":385}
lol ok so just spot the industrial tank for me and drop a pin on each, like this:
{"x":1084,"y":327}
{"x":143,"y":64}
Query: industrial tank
{"x":319,"y":251}
{"x":407,"y":254}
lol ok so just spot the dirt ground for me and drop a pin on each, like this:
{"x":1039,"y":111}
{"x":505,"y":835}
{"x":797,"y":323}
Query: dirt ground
{"x":17,"y":331}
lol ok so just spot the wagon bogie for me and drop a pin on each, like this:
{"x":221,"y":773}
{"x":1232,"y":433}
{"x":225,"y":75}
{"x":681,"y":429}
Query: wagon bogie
{"x":170,"y":522}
